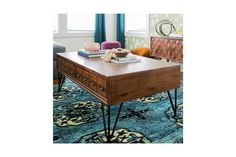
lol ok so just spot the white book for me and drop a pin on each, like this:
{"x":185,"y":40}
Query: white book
{"x":126,"y":61}
{"x":127,"y":58}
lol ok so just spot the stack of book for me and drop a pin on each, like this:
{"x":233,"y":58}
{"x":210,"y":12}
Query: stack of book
{"x":91,"y":54}
{"x":128,"y":59}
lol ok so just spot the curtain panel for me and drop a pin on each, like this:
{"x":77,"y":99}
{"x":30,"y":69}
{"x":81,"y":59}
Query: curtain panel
{"x":100,"y":32}
{"x":121,"y":29}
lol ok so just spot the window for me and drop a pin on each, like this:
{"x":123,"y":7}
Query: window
{"x":136,"y":24}
{"x":74,"y":25}
{"x":77,"y":22}
{"x":55,"y":23}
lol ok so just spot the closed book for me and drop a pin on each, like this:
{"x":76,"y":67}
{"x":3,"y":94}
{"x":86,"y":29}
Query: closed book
{"x":89,"y":56}
{"x":92,"y":52}
{"x":127,"y":58}
{"x":127,"y":61}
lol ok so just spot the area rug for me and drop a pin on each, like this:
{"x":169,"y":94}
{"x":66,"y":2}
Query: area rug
{"x":77,"y":118}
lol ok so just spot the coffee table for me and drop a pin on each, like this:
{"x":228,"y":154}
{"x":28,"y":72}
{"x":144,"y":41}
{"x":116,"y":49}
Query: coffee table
{"x":114,"y":84}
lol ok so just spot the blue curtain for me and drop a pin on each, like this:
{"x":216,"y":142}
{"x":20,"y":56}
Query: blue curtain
{"x":121,"y":29}
{"x":100,"y":33}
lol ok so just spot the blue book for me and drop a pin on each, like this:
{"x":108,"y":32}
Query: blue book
{"x":91,"y":53}
{"x":89,"y":56}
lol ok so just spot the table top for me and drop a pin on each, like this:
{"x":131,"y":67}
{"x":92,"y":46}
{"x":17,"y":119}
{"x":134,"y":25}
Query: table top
{"x":109,"y":69}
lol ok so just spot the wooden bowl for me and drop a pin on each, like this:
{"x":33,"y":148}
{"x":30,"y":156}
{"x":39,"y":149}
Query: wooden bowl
{"x":121,"y":54}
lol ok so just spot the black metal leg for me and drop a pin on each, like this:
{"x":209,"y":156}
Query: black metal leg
{"x":173,"y":105}
{"x":59,"y":76}
{"x":175,"y":102}
{"x":107,"y":131}
{"x":117,"y":117}
{"x":104,"y":121}
{"x":61,"y":81}
{"x":108,"y":127}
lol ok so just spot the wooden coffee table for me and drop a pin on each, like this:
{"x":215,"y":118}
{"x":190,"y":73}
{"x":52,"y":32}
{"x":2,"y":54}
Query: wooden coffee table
{"x":115,"y":83}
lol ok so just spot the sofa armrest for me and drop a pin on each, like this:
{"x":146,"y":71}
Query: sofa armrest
{"x":57,"y":48}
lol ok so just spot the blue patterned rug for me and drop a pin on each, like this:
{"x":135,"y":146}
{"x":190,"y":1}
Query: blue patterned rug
{"x":77,"y":118}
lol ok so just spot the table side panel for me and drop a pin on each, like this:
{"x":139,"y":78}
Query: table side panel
{"x":141,"y":84}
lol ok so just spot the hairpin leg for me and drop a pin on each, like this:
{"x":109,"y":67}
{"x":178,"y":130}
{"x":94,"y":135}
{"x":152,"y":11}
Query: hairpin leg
{"x":173,"y":105}
{"x":107,"y":129}
{"x":61,"y":78}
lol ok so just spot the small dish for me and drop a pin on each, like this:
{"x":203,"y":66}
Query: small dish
{"x":119,"y":52}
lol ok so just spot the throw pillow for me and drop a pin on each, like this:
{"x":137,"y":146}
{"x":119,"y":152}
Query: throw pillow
{"x":142,"y":51}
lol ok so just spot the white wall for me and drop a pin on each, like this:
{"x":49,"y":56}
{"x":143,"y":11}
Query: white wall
{"x":73,"y":43}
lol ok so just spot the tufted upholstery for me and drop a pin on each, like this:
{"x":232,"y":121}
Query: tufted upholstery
{"x":110,"y":45}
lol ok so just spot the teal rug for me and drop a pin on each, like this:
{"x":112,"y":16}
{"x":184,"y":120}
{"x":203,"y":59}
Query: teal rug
{"x":77,"y":118}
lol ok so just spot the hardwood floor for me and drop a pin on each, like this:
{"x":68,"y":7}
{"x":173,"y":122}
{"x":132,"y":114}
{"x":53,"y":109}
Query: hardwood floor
{"x":55,"y":81}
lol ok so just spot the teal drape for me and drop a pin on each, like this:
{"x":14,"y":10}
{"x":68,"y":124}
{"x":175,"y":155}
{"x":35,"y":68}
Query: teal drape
{"x":100,"y":33}
{"x":121,"y":29}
